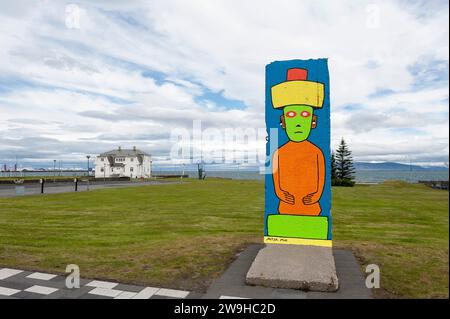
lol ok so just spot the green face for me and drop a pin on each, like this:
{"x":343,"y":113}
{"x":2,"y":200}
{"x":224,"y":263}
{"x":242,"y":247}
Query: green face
{"x":298,"y":120}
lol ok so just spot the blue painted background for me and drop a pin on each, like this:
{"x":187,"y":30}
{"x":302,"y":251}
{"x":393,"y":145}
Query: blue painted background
{"x":320,"y":136}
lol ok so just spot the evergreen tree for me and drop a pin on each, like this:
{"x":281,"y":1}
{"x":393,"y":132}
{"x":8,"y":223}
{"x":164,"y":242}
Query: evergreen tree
{"x":333,"y":166}
{"x":344,"y":165}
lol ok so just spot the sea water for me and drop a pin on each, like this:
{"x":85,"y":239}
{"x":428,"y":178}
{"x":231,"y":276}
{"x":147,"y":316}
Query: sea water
{"x":361,"y":176}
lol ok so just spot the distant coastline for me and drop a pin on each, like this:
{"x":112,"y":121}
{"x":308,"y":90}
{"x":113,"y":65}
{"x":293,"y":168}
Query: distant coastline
{"x":366,"y":172}
{"x":81,"y":166}
{"x":360,"y":166}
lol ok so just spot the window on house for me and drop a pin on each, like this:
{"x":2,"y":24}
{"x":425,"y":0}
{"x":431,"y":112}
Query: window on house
{"x":102,"y":159}
{"x":101,"y":169}
{"x":131,"y":169}
{"x":132,"y":159}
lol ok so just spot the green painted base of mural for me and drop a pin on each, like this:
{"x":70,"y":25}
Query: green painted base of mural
{"x":311,"y":227}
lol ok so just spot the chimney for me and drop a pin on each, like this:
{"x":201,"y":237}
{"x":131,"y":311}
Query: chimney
{"x":134,"y":148}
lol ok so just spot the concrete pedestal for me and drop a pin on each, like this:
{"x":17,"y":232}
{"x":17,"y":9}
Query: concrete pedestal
{"x":294,"y":266}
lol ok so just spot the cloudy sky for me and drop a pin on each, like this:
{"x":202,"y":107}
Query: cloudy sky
{"x":82,"y":77}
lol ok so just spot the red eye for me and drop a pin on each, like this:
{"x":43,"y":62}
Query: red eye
{"x":291,"y":114}
{"x":305,"y":114}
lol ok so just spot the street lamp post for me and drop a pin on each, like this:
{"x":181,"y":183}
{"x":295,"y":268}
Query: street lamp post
{"x":238,"y":170}
{"x":182,"y":174}
{"x":88,"y":157}
{"x":54,"y":170}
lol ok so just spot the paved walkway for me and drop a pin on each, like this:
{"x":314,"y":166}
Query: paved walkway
{"x":19,"y":284}
{"x":232,"y":283}
{"x":54,"y":188}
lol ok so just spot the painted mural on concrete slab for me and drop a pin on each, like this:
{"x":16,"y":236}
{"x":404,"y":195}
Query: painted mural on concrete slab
{"x":298,"y":187}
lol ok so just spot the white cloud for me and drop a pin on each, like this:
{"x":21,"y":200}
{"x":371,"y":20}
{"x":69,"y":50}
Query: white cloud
{"x":87,"y":84}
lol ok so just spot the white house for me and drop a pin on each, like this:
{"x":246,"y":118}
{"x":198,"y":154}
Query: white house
{"x":120,"y":162}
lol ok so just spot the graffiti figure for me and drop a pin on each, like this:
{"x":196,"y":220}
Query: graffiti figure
{"x":298,"y":165}
{"x":298,"y":191}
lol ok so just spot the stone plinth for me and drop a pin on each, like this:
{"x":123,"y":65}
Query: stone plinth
{"x":295,"y":267}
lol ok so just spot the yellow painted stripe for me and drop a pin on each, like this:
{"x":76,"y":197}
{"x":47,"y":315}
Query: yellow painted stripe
{"x":297,"y":241}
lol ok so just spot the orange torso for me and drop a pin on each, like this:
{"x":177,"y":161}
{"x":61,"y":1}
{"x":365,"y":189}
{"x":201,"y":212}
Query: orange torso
{"x":298,"y":168}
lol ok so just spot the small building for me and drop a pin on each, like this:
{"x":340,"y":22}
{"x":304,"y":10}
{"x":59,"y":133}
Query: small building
{"x":132,"y":163}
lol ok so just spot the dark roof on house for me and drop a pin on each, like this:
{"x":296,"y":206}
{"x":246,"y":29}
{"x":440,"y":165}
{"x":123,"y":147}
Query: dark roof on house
{"x":124,"y":152}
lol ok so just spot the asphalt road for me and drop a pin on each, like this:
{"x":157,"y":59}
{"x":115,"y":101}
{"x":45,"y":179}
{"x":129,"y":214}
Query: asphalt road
{"x":53,"y":188}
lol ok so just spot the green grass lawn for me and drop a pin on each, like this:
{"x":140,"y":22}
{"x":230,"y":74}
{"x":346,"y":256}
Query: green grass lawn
{"x":185,"y":235}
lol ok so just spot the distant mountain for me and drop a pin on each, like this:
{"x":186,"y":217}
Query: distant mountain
{"x":395,"y":166}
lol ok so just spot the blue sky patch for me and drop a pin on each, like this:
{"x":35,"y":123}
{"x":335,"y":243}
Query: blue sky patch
{"x":429,"y":73}
{"x":219,"y":99}
{"x":380,"y":92}
{"x":353,"y":107}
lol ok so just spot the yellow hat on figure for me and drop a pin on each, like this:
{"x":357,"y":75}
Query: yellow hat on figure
{"x":297,"y":90}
